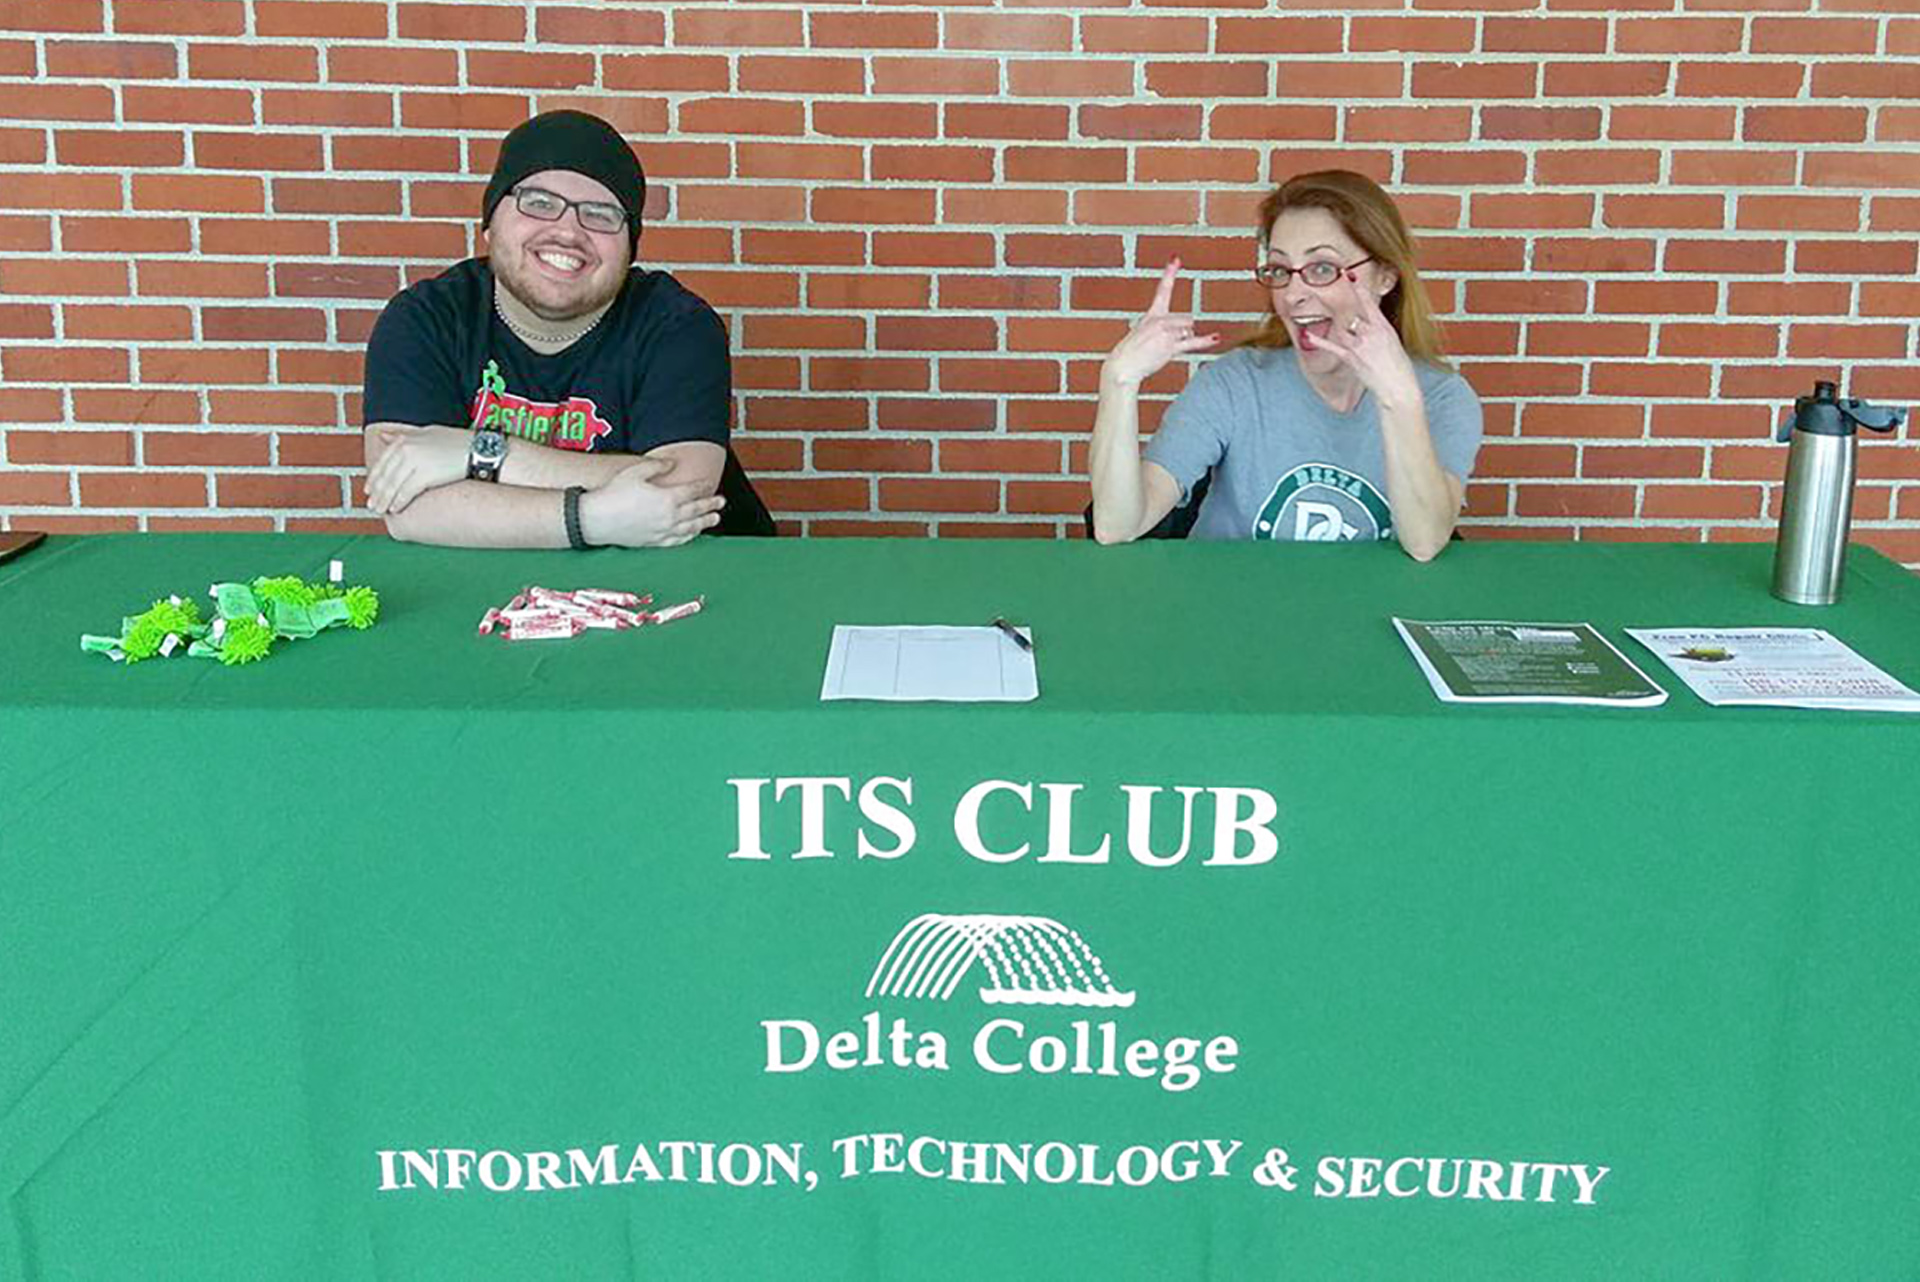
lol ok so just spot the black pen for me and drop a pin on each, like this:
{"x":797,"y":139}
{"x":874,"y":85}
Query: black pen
{"x":1014,"y":634}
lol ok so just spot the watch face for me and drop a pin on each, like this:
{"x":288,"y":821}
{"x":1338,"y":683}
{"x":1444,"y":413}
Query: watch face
{"x":489,"y":445}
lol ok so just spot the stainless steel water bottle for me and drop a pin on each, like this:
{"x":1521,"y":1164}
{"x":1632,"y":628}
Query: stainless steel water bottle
{"x":1816,"y":508}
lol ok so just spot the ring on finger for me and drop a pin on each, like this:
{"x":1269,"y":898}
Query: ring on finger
{"x":1353,"y":326}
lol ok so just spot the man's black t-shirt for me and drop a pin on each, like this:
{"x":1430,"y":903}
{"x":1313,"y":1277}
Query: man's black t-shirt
{"x":652,"y":372}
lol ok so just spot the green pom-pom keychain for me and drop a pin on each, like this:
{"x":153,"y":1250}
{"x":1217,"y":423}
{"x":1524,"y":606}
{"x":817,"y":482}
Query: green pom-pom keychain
{"x":363,"y":607}
{"x":245,"y":641}
{"x":251,"y":617}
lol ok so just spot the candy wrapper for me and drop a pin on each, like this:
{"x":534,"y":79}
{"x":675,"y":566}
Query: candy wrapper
{"x":544,"y":614}
{"x":248,"y":618}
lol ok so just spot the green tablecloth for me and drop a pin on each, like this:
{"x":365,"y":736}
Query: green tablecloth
{"x":414,"y":892}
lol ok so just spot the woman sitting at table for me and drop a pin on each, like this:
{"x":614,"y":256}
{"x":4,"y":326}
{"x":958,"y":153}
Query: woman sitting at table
{"x":1337,"y":421}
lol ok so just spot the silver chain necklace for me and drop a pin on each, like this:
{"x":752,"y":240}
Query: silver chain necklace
{"x":562,"y":340}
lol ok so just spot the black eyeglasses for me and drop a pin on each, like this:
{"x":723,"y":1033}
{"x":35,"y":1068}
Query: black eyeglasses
{"x":548,"y":207}
{"x":1319,"y":273}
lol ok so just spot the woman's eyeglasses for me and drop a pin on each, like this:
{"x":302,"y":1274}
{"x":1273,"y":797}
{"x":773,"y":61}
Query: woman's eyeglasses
{"x":594,"y":215}
{"x":1319,"y":273}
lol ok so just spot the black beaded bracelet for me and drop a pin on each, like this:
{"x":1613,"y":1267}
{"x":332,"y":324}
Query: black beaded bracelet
{"x":570,"y":511}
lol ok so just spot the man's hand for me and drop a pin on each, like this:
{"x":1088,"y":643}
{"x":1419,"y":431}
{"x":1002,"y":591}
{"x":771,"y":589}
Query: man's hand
{"x":631,"y":511}
{"x":413,"y":460}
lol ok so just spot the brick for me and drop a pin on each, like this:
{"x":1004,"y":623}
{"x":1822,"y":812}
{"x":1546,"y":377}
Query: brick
{"x":1586,"y":338}
{"x":1080,"y":78}
{"x":1014,"y":33}
{"x":1502,"y":123}
{"x":1195,"y":164}
{"x":125,"y":235}
{"x":997,"y":120}
{"x":598,"y":27}
{"x":798,"y":160}
{"x":60,"y":191}
{"x":1805,"y":124}
{"x":1631,"y":378}
{"x":863,"y":373}
{"x":1277,"y":35}
{"x":252,"y":62}
{"x":347,"y":19}
{"x":1544,"y":35}
{"x":264,"y":324}
{"x":470,"y":23}
{"x":1656,"y":297}
{"x":204,"y":449}
{"x":239,"y":489}
{"x":343,"y":368}
{"x":1340,"y":80}
{"x":26,"y":320}
{"x":1136,"y":208}
{"x":198,"y":192}
{"x":64,"y":364}
{"x":1573,"y":500}
{"x":253,"y":151}
{"x":873,"y":30}
{"x":935,"y":414}
{"x":941,"y":495}
{"x":127,"y":322}
{"x":1877,"y":298}
{"x":743,"y":29}
{"x":195,"y":278}
{"x":180,"y":17}
{"x":62,"y":277}
{"x":1604,"y":79}
{"x":529,"y":70}
{"x":1677,"y":35}
{"x":1740,"y":80}
{"x":1142,"y":35}
{"x":132,"y":406}
{"x":674,"y":71}
{"x":959,"y":374}
{"x":1712,"y":419}
{"x":202,"y":365}
{"x":1800,"y":37}
{"x":1474,"y":80}
{"x":35,"y":489}
{"x":875,"y":119}
{"x":1894,"y":79}
{"x":733,"y":204}
{"x":1718,"y":257}
{"x":1066,"y":498}
{"x":1630,"y":123}
{"x":1076,"y":164}
{"x":1723,"y":340}
{"x":811,"y":414}
{"x":1663,"y":211}
{"x":922,"y":76}
{"x":287,"y":236}
{"x":1004,"y":206}
{"x":111,"y":60}
{"x":1032,"y":249}
{"x":1482,"y":338}
{"x":1409,"y":124}
{"x":1799,"y":213}
{"x":1748,"y":168}
{"x":37,"y":15}
{"x":933,"y":249}
{"x":829,"y":529}
{"x":1265,"y":122}
{"x":1849,"y":342}
{"x":23,"y":147}
{"x":65,"y":102}
{"x":1137,"y":123}
{"x":1074,"y":335}
{"x":272,"y":408}
{"x":336,"y":196}
{"x":386,"y":65}
{"x":1208,"y":79}
{"x":802,"y":247}
{"x":868,"y":290}
{"x":806,"y":333}
{"x":18,"y":58}
{"x":1582,"y":421}
{"x":1773,"y":381}
{"x":98,"y":449}
{"x":1411,"y":35}
{"x":736,"y":116}
{"x":175,"y":105}
{"x":1000,"y":293}
{"x":784,"y":495}
{"x":872,"y":456}
{"x":936,"y":163}
{"x":1870,"y":169}
{"x":326,"y":107}
{"x":1854,"y":257}
{"x":1778,"y":298}
{"x":1524,"y":460}
{"x":1898,"y":124}
{"x":143,"y":489}
{"x":1488,"y":210}
{"x":1000,"y":455}
{"x":1609,"y":166}
{"x":1493,"y":379}
{"x":120,"y":147}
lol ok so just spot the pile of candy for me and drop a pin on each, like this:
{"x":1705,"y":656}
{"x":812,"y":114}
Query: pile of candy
{"x":248,"y":618}
{"x":542,"y":614}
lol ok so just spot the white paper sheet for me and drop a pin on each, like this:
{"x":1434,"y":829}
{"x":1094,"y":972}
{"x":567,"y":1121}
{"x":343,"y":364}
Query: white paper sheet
{"x":947,"y":664}
{"x":1776,"y":667}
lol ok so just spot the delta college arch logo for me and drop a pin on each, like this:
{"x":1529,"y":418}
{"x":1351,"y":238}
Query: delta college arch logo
{"x":1321,"y":503}
{"x":1025,"y":960}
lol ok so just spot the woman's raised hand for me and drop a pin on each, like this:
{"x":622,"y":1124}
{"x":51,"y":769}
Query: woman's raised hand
{"x":1155,"y":338}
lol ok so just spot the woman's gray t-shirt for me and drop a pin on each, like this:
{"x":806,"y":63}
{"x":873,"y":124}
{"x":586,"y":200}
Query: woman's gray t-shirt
{"x":1285,"y":464}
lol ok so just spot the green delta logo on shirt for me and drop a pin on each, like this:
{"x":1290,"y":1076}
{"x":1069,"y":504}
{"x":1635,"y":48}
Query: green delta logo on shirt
{"x":574,"y":424}
{"x":1321,"y":503}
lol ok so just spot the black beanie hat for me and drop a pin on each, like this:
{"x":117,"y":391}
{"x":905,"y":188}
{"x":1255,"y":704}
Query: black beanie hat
{"x":579,"y":143}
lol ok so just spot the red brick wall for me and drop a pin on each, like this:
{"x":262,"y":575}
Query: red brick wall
{"x":1649,"y":223}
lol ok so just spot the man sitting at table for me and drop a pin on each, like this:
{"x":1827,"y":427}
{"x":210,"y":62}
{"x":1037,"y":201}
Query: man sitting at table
{"x":552,"y":394}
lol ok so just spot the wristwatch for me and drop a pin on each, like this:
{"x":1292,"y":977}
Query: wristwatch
{"x":485,"y":454}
